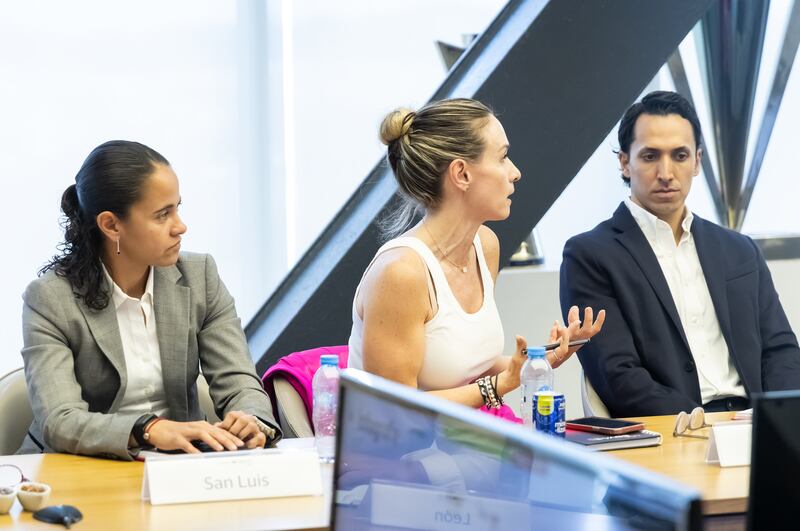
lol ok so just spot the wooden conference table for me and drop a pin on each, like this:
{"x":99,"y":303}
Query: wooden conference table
{"x":724,"y":490}
{"x":109,"y":492}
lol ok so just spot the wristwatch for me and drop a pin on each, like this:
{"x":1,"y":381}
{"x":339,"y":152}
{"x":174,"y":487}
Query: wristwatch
{"x":272,"y":435}
{"x":138,"y":428}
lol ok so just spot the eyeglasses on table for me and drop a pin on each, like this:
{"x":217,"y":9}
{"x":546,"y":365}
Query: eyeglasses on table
{"x":686,"y":422}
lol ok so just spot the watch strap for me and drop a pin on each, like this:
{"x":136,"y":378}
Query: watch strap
{"x":139,"y":426}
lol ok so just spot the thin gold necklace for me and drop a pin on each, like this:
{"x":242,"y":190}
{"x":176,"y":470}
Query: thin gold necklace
{"x":463,"y":268}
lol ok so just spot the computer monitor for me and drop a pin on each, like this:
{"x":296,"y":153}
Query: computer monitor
{"x":775,"y":462}
{"x":409,"y":460}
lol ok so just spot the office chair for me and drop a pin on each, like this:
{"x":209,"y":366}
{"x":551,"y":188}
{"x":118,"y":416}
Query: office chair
{"x":288,"y":384}
{"x":15,"y":411}
{"x":593,"y":406}
{"x":292,"y":414}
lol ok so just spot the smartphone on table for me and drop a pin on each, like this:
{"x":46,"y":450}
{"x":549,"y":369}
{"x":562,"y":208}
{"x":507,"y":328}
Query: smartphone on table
{"x":604,"y":425}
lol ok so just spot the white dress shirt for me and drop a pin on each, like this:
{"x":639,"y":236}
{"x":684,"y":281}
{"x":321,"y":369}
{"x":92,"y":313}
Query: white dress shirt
{"x":137,"y":328}
{"x":681,"y":267}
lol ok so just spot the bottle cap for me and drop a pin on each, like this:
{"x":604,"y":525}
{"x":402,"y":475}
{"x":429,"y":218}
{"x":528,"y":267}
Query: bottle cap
{"x":536,"y":352}
{"x":329,"y":359}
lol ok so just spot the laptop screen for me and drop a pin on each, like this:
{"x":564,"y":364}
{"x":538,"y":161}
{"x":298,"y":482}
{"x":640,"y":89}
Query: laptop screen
{"x":408,"y":460}
{"x":775,"y":461}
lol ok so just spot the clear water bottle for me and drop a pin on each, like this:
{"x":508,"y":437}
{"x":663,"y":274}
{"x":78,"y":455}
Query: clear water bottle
{"x":536,"y":375}
{"x":326,"y":395}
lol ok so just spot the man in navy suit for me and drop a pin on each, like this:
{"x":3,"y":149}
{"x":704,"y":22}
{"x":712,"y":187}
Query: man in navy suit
{"x":692,"y":314}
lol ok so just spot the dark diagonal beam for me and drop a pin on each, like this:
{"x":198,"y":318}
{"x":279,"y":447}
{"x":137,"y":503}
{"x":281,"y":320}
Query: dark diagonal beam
{"x":791,"y":40}
{"x":559,"y":74}
{"x":733,"y":36}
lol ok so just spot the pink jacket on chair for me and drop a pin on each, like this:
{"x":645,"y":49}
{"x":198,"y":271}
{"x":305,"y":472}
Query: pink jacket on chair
{"x":298,"y":369}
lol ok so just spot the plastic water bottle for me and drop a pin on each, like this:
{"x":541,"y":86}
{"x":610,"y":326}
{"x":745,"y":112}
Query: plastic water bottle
{"x":326,"y":396}
{"x":536,"y":375}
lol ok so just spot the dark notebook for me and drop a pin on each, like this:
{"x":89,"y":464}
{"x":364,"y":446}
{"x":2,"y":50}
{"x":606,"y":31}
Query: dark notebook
{"x":601,"y":442}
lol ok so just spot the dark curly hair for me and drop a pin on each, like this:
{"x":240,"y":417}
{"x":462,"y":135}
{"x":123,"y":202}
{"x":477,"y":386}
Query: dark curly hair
{"x":110,"y":179}
{"x":658,"y":103}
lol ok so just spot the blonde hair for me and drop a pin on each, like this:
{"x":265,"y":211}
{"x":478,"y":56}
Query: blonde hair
{"x":422,"y":144}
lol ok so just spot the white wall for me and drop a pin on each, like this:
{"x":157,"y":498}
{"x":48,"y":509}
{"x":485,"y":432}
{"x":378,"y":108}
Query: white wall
{"x":527,"y":298}
{"x":350,"y":66}
{"x":79,"y":73}
{"x":268,"y":111}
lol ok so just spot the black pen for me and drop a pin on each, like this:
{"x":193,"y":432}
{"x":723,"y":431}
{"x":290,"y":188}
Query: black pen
{"x":576,"y":343}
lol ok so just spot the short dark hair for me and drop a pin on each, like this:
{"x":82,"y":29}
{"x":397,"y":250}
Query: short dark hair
{"x":658,"y":103}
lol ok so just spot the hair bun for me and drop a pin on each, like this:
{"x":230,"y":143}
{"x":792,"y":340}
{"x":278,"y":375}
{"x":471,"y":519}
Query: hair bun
{"x":70,"y":204}
{"x":396,"y":124}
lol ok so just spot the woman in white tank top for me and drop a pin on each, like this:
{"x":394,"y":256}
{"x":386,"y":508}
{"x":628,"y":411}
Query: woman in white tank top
{"x":424,"y":313}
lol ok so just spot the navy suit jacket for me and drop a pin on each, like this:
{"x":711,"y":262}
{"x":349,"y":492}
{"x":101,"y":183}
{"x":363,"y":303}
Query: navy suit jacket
{"x":640,"y":363}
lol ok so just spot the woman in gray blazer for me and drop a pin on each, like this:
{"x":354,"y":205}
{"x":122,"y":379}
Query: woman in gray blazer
{"x":118,"y":325}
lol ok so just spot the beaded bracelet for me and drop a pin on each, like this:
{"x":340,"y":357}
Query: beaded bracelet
{"x":494,"y":402}
{"x":499,"y":398}
{"x":489,"y":392}
{"x":484,"y":391}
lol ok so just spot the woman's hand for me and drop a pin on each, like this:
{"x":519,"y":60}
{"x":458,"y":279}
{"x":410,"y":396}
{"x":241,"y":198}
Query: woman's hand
{"x":245,"y":427}
{"x":589,"y":328}
{"x":170,"y":435}
{"x":563,"y":336}
{"x":574,"y":331}
{"x":508,"y":380}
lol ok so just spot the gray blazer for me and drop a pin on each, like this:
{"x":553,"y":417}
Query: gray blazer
{"x":75,"y":365}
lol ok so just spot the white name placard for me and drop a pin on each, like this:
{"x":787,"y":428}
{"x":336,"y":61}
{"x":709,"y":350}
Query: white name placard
{"x":261,"y":473}
{"x":437,"y":509}
{"x":729,"y":444}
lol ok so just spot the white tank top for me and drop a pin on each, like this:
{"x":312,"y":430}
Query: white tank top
{"x":459,"y":346}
